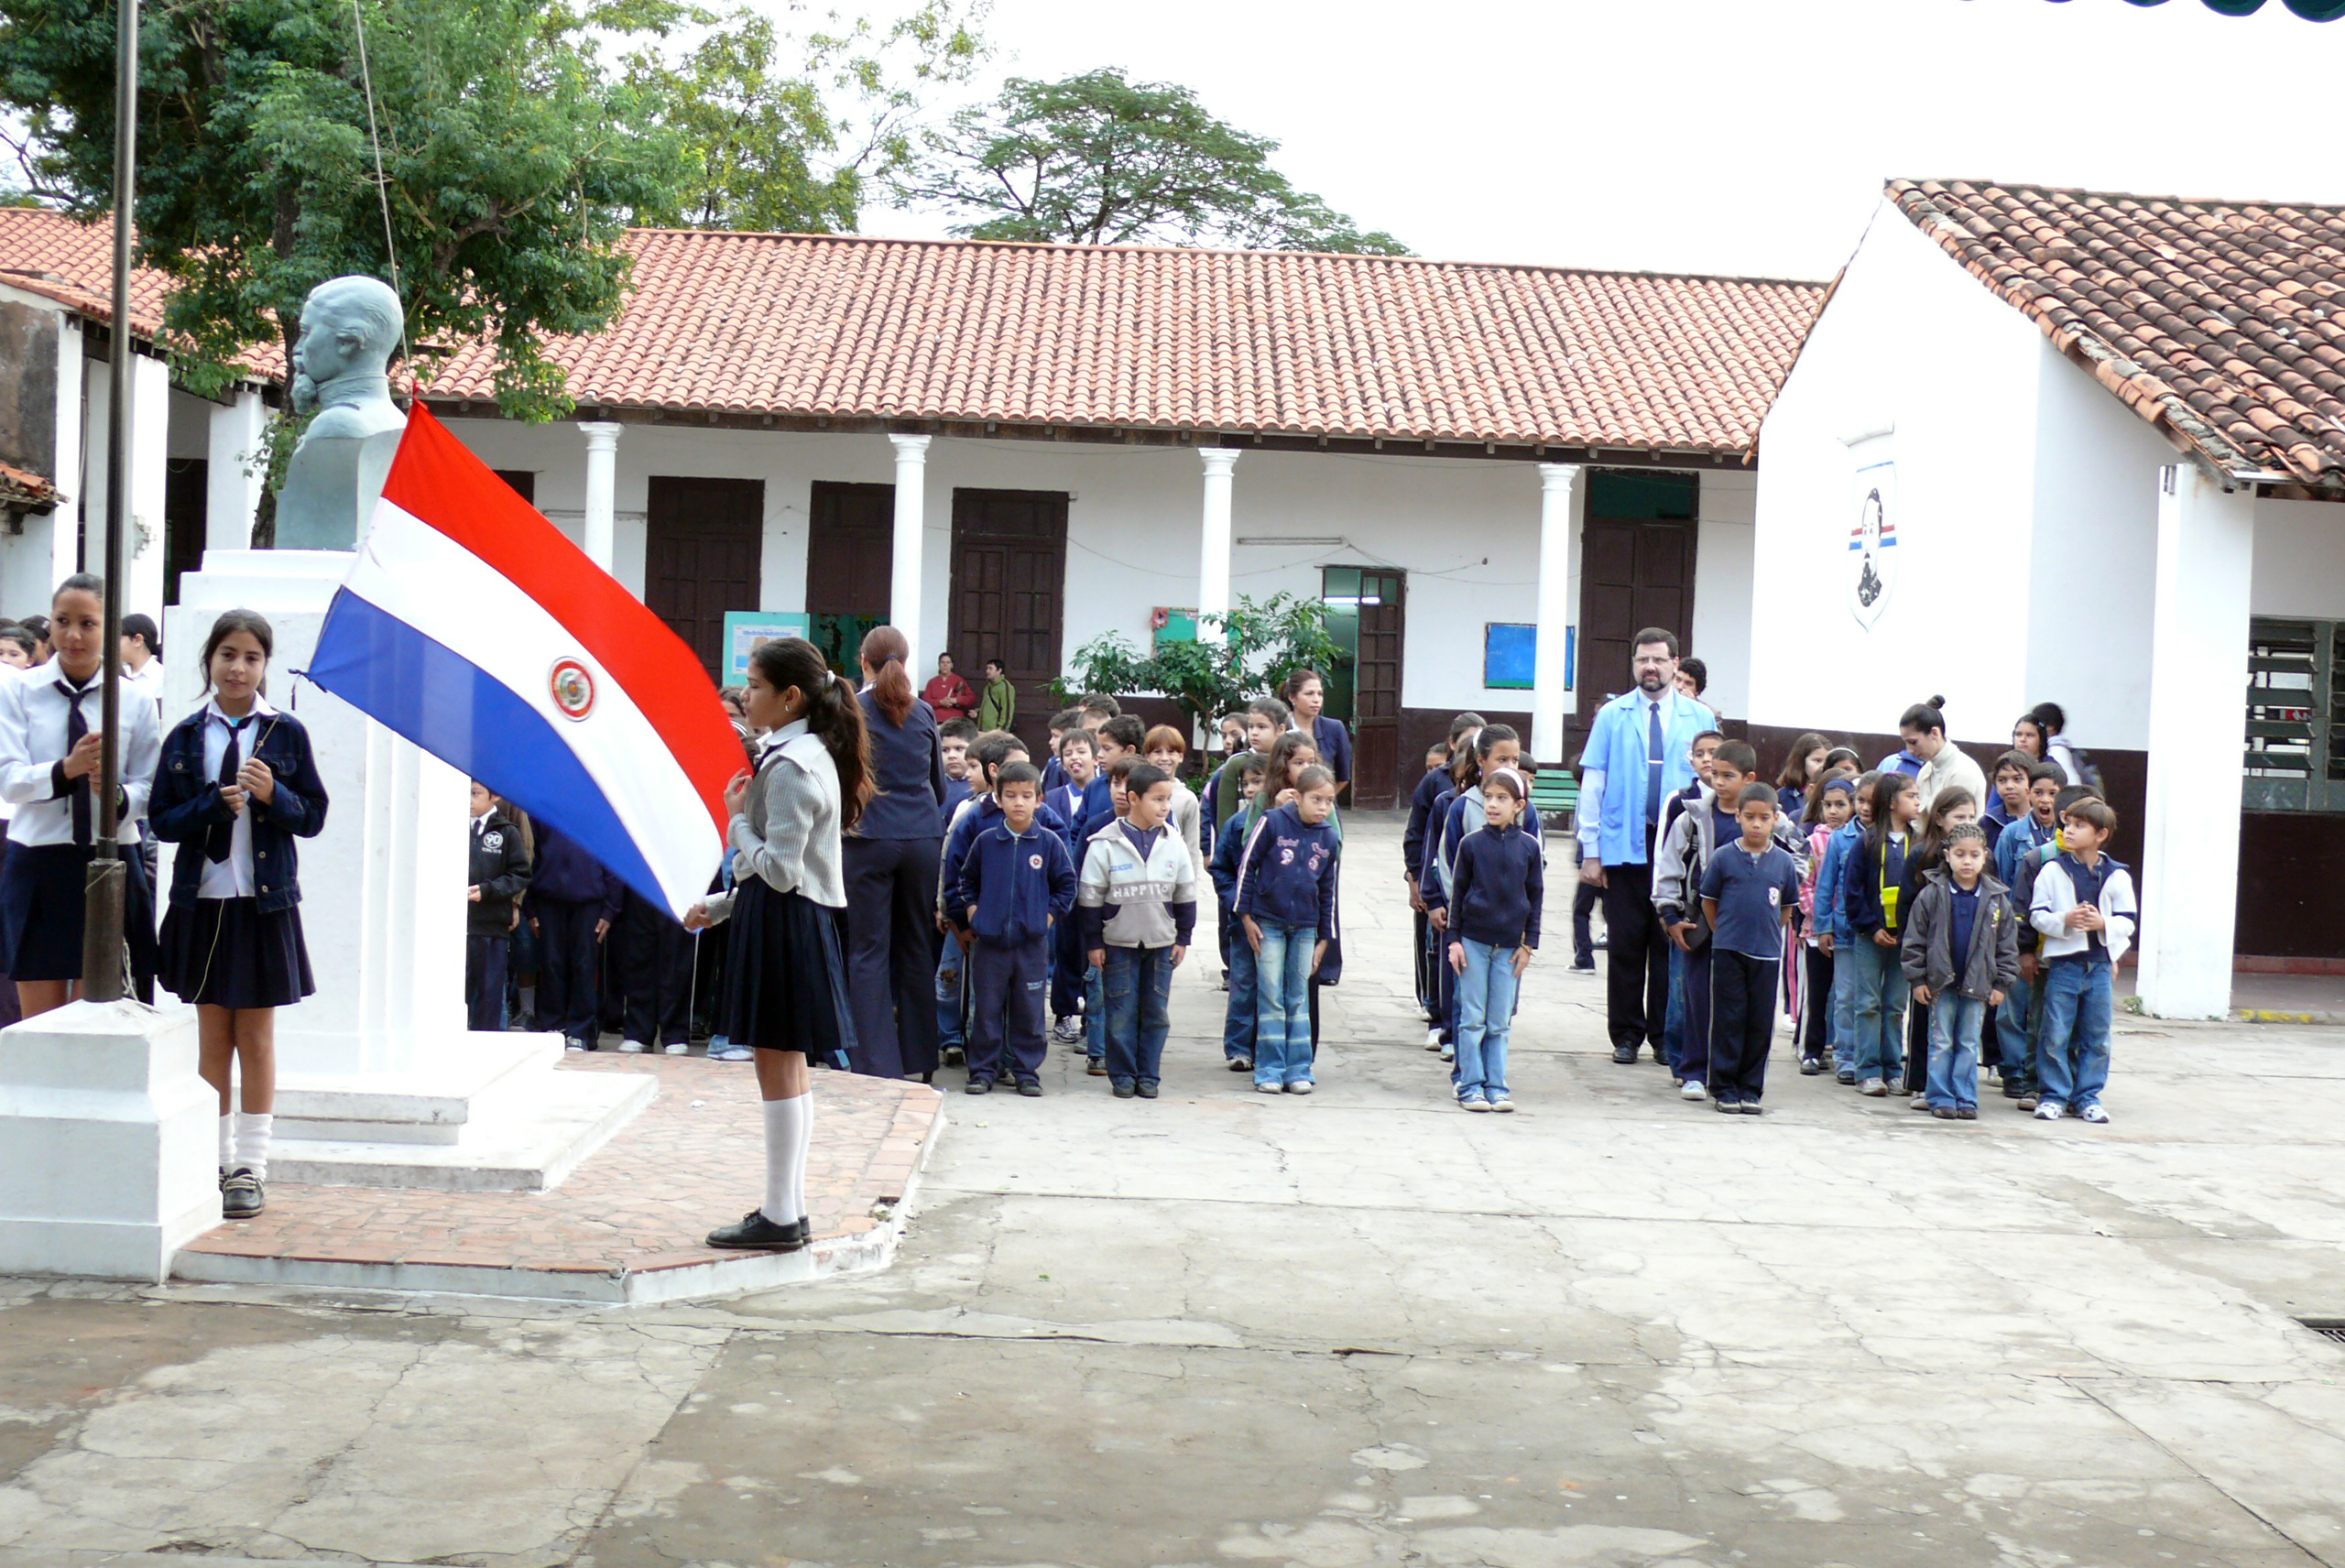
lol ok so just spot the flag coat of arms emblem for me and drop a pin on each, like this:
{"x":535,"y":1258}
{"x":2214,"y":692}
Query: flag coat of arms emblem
{"x":1872,"y":572}
{"x":473,"y":627}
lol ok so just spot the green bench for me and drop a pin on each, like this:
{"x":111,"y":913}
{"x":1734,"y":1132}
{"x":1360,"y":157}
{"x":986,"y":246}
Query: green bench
{"x":1555,"y":795}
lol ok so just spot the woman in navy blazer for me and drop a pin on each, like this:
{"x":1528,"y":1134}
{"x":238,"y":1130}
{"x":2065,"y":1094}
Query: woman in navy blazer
{"x":1307,"y":694}
{"x":892,"y":862}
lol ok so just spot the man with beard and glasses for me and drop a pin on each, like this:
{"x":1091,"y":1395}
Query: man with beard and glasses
{"x":1638,"y":753}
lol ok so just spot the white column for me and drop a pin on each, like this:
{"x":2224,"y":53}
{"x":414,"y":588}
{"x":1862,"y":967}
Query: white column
{"x":911,"y":502}
{"x":232,"y":474}
{"x":1212,"y":558}
{"x":602,"y":491}
{"x":1558,"y":524}
{"x":150,"y":454}
{"x":2198,"y":636}
{"x":65,"y":523}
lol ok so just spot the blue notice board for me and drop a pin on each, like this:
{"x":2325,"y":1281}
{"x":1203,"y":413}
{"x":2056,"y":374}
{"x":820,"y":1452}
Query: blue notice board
{"x":1511,"y":656}
{"x":745,"y":629}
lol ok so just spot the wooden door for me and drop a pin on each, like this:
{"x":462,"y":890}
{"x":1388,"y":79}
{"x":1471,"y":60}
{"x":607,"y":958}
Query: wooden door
{"x":1376,"y":689}
{"x":850,"y":567}
{"x":704,"y":542}
{"x":1009,"y":592}
{"x":1634,"y":574}
{"x":187,"y":514}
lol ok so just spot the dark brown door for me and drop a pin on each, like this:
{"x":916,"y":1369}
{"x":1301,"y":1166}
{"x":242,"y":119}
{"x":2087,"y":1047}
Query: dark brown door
{"x":186,"y":508}
{"x":1633,"y":575}
{"x":850,"y":567}
{"x":704,"y":540}
{"x":1376,"y":689}
{"x":1009,"y":585}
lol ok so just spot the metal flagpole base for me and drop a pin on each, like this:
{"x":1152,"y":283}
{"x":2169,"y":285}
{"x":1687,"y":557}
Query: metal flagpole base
{"x":103,"y":962}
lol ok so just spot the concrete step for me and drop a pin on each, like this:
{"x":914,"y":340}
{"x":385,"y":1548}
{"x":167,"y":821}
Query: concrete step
{"x":427,"y":1105}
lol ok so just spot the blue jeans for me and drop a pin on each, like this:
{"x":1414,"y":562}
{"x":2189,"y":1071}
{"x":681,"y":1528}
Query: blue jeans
{"x":1282,"y":1004}
{"x":1238,"y":1026}
{"x":2072,"y":1050}
{"x":949,"y":1033}
{"x":1955,"y":1022}
{"x":2011,"y":1029}
{"x":1138,"y":983}
{"x":1485,"y":994}
{"x":1672,"y":1029}
{"x":1844,"y":1007}
{"x":1878,"y":1013}
{"x":1094,"y":1014}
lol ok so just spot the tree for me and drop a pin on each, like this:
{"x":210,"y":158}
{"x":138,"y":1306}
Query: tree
{"x":1262,"y":642}
{"x":1096,"y":159}
{"x":512,"y":162}
{"x":786,"y":132}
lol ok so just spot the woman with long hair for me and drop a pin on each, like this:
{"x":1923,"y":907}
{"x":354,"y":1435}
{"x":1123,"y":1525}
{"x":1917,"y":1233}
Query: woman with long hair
{"x":891,"y":868}
{"x":786,"y":984}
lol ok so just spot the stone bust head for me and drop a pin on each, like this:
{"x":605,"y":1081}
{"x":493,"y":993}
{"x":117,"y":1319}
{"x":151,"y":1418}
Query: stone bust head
{"x":349,"y":327}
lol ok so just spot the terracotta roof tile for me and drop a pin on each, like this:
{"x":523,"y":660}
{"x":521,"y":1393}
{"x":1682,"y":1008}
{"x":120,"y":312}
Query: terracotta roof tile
{"x":24,"y":491}
{"x":2221,"y":322}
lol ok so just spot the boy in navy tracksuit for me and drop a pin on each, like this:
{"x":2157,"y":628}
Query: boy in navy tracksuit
{"x":1237,"y":963}
{"x":1749,"y":889}
{"x":1016,"y":881}
{"x":1286,"y":895}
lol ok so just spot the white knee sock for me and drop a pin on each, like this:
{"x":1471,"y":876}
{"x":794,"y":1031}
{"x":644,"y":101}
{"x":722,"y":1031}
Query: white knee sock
{"x":227,"y":1140}
{"x":805,"y":1138}
{"x":252,"y":1142}
{"x":785,"y":1159}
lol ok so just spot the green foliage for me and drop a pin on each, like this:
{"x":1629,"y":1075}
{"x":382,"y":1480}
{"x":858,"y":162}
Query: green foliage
{"x":786,"y":131}
{"x":1096,"y":159}
{"x":513,"y":163}
{"x":1212,"y":676}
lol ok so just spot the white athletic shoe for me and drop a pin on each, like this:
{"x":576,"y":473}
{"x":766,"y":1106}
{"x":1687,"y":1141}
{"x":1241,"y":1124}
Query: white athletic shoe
{"x":2094,"y":1114}
{"x":1693,"y":1090}
{"x":1432,"y":1040}
{"x":1449,"y":1053}
{"x":681,"y":1047}
{"x":632,"y":1047}
{"x":2050,"y":1112}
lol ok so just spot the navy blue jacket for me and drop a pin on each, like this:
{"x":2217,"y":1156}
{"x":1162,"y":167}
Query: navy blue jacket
{"x":1860,"y":902}
{"x":1228,"y":856}
{"x":1019,"y":884}
{"x":1053,"y":773}
{"x":1334,"y":744}
{"x":956,"y":792}
{"x":566,"y":873}
{"x":1289,"y":872}
{"x":1499,"y":886}
{"x":906,"y":773}
{"x":186,"y":804}
{"x":1413,"y":838}
{"x":1097,"y":810}
{"x":984,"y":814}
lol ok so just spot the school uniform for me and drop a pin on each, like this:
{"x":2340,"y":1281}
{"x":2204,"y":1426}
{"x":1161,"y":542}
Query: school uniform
{"x":785,"y":985}
{"x":570,"y":893}
{"x":1696,"y":834}
{"x":1013,"y":887}
{"x":1068,"y":963}
{"x":1963,"y":943}
{"x":1138,"y":897}
{"x":1333,"y":739}
{"x":232,"y":933}
{"x":1462,"y":818}
{"x":1287,"y":886}
{"x":53,"y":834}
{"x":1869,"y":903}
{"x":1412,"y":858}
{"x":500,"y":869}
{"x":1237,"y":1019}
{"x":2014,"y":1022}
{"x":1432,"y":885}
{"x":1053,"y":772}
{"x":891,"y":862}
{"x":1752,"y":893}
{"x":1495,"y":899}
{"x":1831,"y":917}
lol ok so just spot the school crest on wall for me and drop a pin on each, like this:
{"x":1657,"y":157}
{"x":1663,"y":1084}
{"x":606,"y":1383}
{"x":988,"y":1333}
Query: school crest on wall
{"x":1870,"y":574}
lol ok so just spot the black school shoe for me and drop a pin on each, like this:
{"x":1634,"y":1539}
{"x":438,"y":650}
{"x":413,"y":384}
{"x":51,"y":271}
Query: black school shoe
{"x":1624,"y":1054}
{"x":1751,"y":1108}
{"x":1031,"y":1087}
{"x":241,"y":1196}
{"x":979,"y":1087}
{"x":1146,"y":1088}
{"x":755,"y":1233}
{"x":1727,"y":1108}
{"x":1126,"y":1088}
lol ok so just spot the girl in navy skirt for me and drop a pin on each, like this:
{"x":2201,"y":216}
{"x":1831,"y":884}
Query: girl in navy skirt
{"x":50,"y":720}
{"x":236,"y":786}
{"x":786,"y":973}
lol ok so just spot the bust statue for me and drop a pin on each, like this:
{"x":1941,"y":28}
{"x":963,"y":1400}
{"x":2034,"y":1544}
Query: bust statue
{"x":349,"y":327}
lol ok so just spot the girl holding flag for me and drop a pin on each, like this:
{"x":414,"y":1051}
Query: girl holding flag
{"x":236,"y":787}
{"x":786,"y":974}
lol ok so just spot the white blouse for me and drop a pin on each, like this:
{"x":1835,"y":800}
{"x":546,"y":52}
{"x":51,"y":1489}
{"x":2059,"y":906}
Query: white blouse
{"x":232,"y":878}
{"x":33,"y":710}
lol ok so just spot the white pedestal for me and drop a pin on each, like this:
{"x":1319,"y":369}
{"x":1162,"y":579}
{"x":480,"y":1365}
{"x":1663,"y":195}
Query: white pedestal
{"x":108,"y":1142}
{"x":380,"y":1060}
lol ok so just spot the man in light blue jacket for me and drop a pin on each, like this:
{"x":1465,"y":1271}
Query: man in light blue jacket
{"x":1638,"y":753}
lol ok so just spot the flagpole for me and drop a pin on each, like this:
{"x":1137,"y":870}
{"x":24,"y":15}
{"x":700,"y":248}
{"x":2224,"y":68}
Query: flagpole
{"x":101,"y":957}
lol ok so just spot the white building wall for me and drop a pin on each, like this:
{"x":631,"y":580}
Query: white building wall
{"x":2299,"y":560}
{"x":1909,"y":340}
{"x":1725,"y":556}
{"x":1467,"y":533}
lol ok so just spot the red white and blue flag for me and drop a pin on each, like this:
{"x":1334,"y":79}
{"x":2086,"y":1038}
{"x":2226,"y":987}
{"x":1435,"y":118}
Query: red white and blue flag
{"x":470,"y":625}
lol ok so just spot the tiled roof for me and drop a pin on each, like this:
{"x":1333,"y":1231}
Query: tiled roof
{"x":1132,"y":338}
{"x":1184,"y":339}
{"x":24,"y":491}
{"x":2221,"y":322}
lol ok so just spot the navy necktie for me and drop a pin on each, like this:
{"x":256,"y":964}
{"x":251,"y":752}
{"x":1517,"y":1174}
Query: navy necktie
{"x":217,"y":842}
{"x":77,"y":724}
{"x":1653,"y":762}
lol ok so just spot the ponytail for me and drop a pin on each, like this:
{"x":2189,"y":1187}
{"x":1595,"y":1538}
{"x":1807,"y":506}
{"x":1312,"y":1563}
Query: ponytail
{"x":884,"y":652}
{"x":833,"y":716}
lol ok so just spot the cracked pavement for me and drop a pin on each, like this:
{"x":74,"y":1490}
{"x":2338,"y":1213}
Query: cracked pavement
{"x":1612,"y":1331}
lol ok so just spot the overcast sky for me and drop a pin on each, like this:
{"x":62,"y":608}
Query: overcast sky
{"x":1741,"y":137}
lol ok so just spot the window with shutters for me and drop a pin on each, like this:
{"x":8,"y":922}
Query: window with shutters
{"x":2295,"y":716}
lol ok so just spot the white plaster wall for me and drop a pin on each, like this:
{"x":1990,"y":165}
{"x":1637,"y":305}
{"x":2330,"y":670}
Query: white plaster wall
{"x":1724,"y":560}
{"x":190,"y":435}
{"x":1466,"y":532}
{"x":2299,"y":560}
{"x":1909,"y":339}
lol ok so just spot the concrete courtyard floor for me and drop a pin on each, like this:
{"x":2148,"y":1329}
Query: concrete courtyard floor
{"x":1612,"y":1331}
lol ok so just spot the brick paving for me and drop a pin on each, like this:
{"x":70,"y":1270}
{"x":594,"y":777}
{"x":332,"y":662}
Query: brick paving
{"x":693,"y":1158}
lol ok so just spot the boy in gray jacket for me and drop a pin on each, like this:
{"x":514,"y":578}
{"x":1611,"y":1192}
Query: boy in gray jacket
{"x":1962,"y":954}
